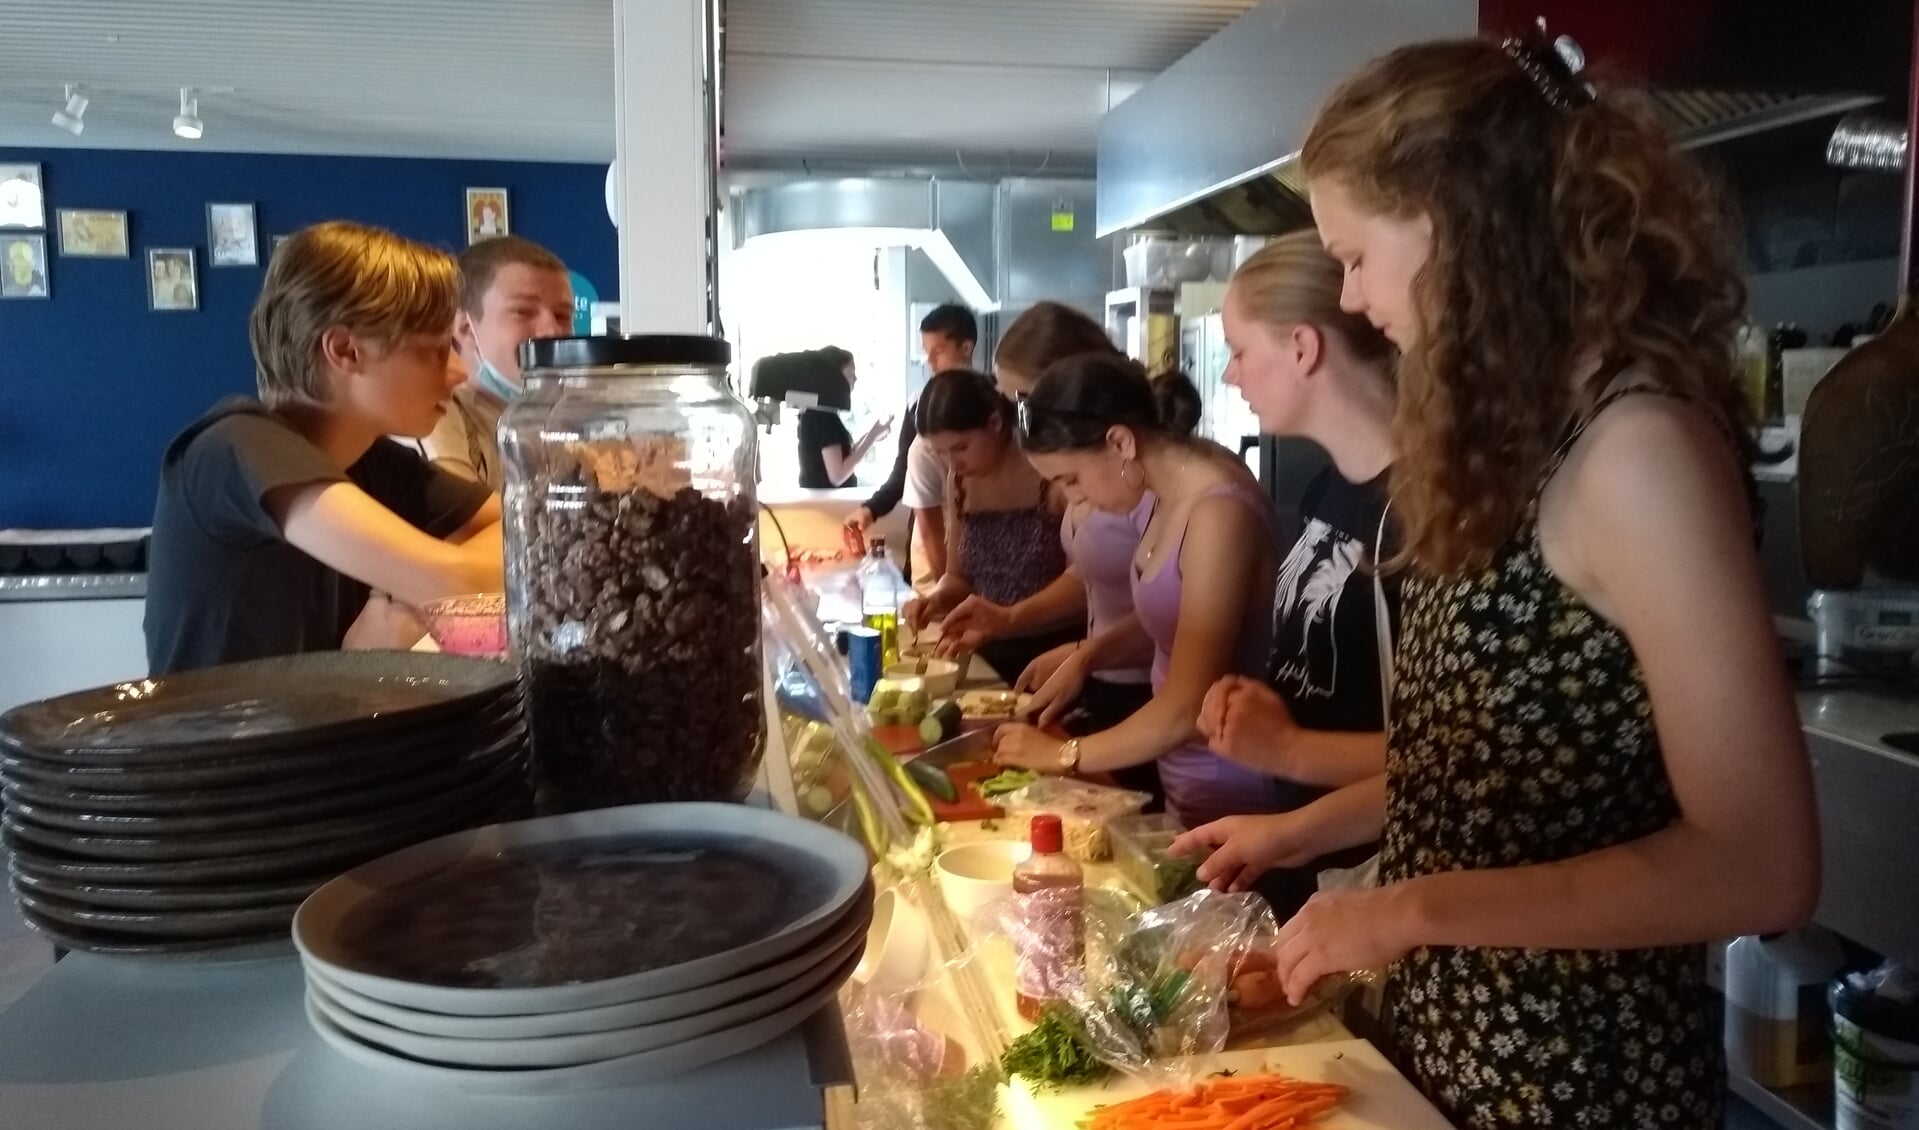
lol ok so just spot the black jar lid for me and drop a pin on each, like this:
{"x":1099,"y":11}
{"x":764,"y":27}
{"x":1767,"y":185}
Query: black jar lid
{"x":612,"y":350}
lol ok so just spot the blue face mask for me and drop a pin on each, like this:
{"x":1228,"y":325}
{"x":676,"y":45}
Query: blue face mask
{"x":494,"y":381}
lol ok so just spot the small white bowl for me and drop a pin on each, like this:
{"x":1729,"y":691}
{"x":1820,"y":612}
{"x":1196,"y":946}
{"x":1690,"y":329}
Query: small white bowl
{"x":974,"y":876}
{"x":940,"y":677}
{"x":897,"y":953}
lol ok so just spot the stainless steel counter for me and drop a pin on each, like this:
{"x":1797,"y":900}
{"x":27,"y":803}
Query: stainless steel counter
{"x":74,"y":586}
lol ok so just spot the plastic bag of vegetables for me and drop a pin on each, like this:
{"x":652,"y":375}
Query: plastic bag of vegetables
{"x":1183,"y":981}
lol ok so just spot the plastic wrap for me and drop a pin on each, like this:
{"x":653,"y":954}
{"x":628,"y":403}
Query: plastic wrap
{"x":1170,"y":982}
{"x":1162,"y":993}
{"x":1084,"y":810}
{"x":921,"y":1059}
{"x":841,"y":776}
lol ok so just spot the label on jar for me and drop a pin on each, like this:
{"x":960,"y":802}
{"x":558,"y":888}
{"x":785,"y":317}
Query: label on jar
{"x":1872,"y":1091}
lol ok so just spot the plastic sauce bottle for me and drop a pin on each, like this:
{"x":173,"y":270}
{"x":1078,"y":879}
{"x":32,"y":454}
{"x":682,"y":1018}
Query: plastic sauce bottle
{"x":883,"y":589}
{"x":1048,"y":947}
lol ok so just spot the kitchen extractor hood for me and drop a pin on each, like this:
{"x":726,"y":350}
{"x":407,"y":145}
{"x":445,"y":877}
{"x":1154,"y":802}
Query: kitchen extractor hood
{"x":951,"y":221}
{"x":1222,"y":121}
{"x":1210,"y":147}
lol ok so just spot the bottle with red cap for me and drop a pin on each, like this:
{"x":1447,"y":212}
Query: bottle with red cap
{"x":1048,"y":949}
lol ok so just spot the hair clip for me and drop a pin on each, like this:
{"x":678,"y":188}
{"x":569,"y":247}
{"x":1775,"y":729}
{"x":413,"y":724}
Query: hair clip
{"x":1554,"y":66}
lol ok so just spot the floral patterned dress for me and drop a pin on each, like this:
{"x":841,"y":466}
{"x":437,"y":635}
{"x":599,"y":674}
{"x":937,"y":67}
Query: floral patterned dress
{"x":1522,"y":733}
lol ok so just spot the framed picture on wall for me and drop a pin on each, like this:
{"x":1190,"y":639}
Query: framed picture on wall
{"x":486,"y":214}
{"x":23,"y":266}
{"x":92,"y":233}
{"x":172,"y":283}
{"x":22,"y":202}
{"x":233,"y":235}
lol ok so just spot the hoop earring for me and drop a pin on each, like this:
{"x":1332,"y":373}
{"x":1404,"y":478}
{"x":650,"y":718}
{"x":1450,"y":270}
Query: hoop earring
{"x":1129,"y":464}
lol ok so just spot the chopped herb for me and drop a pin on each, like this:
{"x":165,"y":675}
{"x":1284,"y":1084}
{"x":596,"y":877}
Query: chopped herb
{"x":1052,"y":1054}
{"x":989,"y":825}
{"x":969,"y":1102}
{"x":1224,"y":1073}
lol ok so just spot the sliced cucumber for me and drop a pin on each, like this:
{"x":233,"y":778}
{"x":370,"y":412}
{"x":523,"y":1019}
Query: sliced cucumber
{"x":933,"y":779}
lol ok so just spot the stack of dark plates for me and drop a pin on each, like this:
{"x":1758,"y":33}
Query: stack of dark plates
{"x":189,"y":815}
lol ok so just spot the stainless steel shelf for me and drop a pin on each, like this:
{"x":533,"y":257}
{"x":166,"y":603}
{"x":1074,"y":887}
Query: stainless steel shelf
{"x":1796,"y":1108}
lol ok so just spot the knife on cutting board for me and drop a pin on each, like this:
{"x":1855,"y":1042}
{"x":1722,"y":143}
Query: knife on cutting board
{"x":973,"y":745}
{"x":965,"y":760}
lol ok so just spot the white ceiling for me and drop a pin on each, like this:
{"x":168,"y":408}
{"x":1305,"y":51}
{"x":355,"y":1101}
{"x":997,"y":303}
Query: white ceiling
{"x":999,"y":83}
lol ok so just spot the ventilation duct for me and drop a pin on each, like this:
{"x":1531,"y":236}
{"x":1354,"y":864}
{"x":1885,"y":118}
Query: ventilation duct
{"x":951,"y":221}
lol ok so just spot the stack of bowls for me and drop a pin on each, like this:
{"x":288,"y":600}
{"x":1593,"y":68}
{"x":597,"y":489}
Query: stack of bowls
{"x":589,"y":949}
{"x":189,"y":815}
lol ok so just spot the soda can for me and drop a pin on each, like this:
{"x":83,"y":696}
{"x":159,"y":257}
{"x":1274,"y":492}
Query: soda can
{"x":863,"y":661}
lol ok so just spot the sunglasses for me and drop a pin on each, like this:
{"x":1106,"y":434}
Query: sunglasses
{"x":1026,"y":417}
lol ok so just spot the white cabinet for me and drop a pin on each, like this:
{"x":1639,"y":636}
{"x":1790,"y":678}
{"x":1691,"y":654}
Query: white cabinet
{"x":50,"y":647}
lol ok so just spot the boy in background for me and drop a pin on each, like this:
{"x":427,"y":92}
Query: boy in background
{"x":512,"y":290}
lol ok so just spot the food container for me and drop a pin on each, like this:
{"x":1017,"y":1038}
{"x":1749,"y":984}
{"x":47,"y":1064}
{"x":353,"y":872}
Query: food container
{"x":899,"y":701}
{"x":973,"y":877}
{"x":1151,"y":262}
{"x":1162,"y":261}
{"x":938,"y":677}
{"x":1245,"y":247}
{"x":633,"y":570}
{"x":1141,"y":851}
{"x":468,"y":625}
{"x":1084,"y":810}
{"x":898,"y":948}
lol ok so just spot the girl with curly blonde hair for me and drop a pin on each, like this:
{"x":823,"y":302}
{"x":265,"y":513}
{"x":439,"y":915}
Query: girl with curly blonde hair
{"x":1594,"y":762}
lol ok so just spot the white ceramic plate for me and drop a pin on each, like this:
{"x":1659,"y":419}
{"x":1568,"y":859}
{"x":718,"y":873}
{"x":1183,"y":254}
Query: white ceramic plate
{"x":659,"y":1010}
{"x":660,"y":1063}
{"x":317,"y":926}
{"x":591,"y":1047}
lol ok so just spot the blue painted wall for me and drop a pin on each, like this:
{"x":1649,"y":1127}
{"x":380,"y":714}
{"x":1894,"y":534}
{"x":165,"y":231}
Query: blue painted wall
{"x":93,"y":384}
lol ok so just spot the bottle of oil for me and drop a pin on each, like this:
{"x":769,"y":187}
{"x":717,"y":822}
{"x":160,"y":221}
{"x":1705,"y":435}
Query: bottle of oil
{"x":883,"y":589}
{"x":1048,"y":947}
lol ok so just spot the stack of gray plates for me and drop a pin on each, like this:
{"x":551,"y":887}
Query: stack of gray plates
{"x":189,"y":815}
{"x":584,"y":950}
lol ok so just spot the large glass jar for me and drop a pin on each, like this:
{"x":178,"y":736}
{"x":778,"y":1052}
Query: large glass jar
{"x":633,"y":571}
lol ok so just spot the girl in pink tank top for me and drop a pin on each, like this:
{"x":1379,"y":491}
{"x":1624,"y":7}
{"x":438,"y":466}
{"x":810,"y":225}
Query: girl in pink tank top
{"x":1098,"y":429}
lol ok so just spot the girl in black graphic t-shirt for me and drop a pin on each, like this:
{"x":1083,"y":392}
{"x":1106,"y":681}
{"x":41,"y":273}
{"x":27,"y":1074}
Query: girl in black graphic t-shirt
{"x":1308,"y":369}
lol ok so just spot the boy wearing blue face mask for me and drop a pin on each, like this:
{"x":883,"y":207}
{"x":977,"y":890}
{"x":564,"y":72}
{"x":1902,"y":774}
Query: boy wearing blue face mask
{"x":511,"y":291}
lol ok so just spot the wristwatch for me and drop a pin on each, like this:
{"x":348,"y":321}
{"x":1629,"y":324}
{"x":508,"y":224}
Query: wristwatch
{"x":1069,"y":756}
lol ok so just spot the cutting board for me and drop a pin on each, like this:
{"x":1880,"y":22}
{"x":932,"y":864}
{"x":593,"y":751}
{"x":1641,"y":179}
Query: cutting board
{"x":970,"y":805}
{"x":1381,"y":1098}
{"x":967,"y":760}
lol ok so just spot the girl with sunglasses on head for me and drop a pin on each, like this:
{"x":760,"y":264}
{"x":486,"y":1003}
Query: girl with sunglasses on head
{"x":1096,"y":588}
{"x":1591,"y":717}
{"x":1104,"y":434}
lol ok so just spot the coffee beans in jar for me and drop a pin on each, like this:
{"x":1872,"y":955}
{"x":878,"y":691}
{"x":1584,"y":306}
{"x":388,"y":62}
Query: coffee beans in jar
{"x":633,"y":570}
{"x":641,"y":635}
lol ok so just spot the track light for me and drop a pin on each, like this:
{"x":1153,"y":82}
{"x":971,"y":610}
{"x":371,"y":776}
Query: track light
{"x":69,"y":118}
{"x":187,"y":124}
